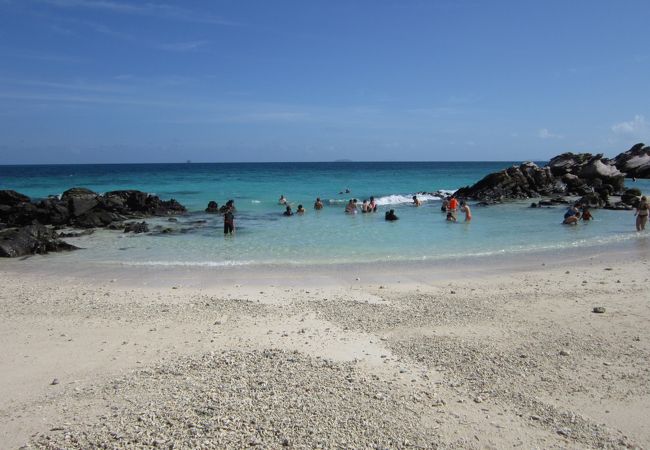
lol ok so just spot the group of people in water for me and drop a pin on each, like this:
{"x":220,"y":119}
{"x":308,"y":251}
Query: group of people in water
{"x":575,"y":213}
{"x":450,"y":206}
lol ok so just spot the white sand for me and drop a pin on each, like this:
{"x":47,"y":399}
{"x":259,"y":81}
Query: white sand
{"x":487,"y":356}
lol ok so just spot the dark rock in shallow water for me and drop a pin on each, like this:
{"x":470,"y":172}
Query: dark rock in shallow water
{"x":635,"y":162}
{"x":141,"y":202}
{"x":631,"y":197}
{"x":593,"y":200}
{"x":83,"y":208}
{"x":213,"y":207}
{"x":136,"y":227}
{"x":517,"y":182}
{"x":30,"y":240}
{"x":80,"y":200}
{"x":97,"y":219}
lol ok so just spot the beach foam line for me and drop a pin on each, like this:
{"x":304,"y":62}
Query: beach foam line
{"x":185,"y":263}
{"x":397,"y":199}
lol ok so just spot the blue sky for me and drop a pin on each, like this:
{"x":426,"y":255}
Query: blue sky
{"x":88,"y":81}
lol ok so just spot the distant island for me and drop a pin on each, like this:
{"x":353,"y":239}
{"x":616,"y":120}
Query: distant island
{"x":343,"y":160}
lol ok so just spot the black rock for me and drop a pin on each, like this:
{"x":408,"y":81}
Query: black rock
{"x":635,"y":162}
{"x":631,"y":197}
{"x":517,"y":182}
{"x":213,"y":207}
{"x":12,"y":198}
{"x":136,"y":227}
{"x":30,"y":240}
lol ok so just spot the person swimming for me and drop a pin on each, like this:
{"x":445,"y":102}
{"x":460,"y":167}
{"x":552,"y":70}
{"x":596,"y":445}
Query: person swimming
{"x":391,"y":216}
{"x":464,"y":207}
{"x":318,"y":204}
{"x":287,"y":212}
{"x":416,"y":201}
{"x":300,"y":210}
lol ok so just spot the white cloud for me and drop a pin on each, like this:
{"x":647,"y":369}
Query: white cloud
{"x":635,"y":127}
{"x":545,"y":134}
{"x":158,"y":10}
{"x":190,"y":46}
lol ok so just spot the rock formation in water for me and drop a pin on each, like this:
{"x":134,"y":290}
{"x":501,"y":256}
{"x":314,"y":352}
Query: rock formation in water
{"x":30,"y":240}
{"x":77,"y":207}
{"x":591,"y":177}
{"x":635,"y":162}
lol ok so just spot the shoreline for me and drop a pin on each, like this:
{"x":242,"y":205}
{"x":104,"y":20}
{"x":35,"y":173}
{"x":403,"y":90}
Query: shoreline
{"x":192,"y":274}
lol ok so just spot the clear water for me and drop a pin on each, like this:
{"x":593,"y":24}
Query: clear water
{"x":327,"y":236}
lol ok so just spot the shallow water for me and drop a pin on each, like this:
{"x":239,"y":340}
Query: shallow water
{"x":319,"y":237}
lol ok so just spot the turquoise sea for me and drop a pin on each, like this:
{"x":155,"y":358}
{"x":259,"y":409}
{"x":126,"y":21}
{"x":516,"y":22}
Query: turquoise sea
{"x":264,"y":236}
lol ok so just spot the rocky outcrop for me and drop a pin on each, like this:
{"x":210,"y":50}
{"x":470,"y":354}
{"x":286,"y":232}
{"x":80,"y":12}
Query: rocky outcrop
{"x":30,"y":240}
{"x":77,"y":207}
{"x":83,"y":208}
{"x":517,"y":182}
{"x":635,"y":162}
{"x":586,"y":171}
{"x":590,"y":176}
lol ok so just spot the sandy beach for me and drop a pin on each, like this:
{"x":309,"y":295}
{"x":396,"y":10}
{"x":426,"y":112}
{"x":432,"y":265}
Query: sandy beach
{"x":491,"y":356}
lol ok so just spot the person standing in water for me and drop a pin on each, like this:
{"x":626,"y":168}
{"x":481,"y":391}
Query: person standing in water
{"x":641,"y":213}
{"x":453,"y":205}
{"x":282,"y":201}
{"x":372,"y":205}
{"x":416,"y":201}
{"x":464,"y":207}
{"x":300,"y":211}
{"x":229,"y":221}
{"x":318,"y":204}
{"x":288,"y":212}
{"x":445,"y":204}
